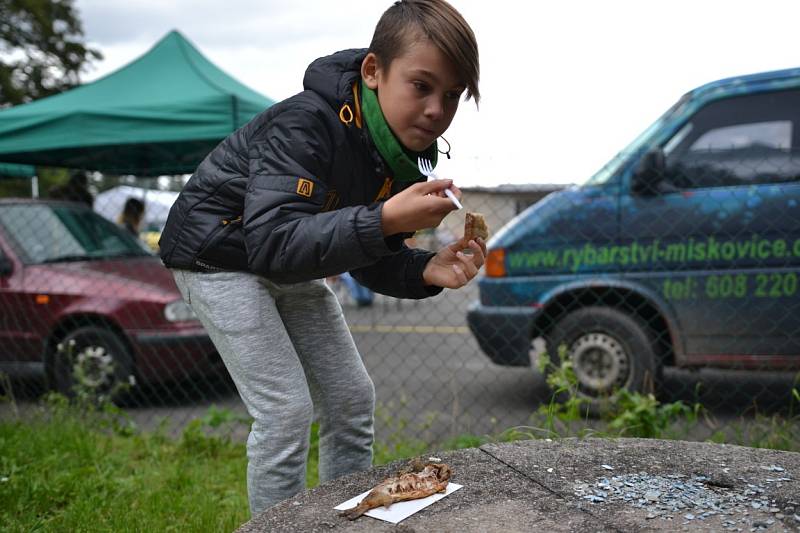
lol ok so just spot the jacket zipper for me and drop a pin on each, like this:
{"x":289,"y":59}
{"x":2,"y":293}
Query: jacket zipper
{"x":226,"y":221}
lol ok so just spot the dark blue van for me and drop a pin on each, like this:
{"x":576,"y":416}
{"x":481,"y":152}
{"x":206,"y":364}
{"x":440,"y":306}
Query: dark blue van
{"x":684,"y":250}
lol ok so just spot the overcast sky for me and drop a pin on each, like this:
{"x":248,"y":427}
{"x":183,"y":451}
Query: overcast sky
{"x":565,"y":84}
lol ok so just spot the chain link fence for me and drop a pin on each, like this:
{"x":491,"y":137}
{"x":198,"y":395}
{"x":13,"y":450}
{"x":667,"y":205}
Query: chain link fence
{"x":687,"y":287}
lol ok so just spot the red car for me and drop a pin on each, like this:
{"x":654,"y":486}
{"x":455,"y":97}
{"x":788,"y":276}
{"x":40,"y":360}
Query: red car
{"x":82,"y":300}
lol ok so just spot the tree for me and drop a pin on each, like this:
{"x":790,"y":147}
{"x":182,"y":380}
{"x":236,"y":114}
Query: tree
{"x":41,"y":49}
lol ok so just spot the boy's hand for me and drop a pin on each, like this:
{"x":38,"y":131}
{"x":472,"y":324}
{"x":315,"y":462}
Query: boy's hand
{"x":452,"y":268}
{"x":421,"y":206}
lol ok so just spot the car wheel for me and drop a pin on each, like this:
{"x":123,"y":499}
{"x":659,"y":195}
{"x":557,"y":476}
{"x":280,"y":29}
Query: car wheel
{"x":609,"y":350}
{"x":92,"y":360}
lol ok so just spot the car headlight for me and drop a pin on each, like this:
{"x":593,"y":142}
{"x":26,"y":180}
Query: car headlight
{"x":178,"y":311}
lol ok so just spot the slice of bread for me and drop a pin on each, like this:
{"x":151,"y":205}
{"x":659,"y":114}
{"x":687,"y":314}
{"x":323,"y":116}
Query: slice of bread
{"x":475,"y":226}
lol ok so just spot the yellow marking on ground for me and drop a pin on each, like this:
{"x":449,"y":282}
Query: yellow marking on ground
{"x":379,"y":328}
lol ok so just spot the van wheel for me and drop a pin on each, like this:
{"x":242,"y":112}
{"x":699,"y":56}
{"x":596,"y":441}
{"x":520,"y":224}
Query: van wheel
{"x":609,"y":350}
{"x":91,"y":360}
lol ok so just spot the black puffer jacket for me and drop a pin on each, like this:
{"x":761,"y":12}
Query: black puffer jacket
{"x":296,"y":194}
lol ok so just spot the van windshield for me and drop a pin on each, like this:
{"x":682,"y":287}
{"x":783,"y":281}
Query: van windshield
{"x":611,"y":168}
{"x":46,"y":233}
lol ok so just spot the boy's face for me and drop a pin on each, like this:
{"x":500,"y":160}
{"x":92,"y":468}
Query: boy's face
{"x":418,"y":95}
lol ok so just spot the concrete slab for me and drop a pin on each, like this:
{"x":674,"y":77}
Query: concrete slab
{"x":762,"y":486}
{"x":542,"y":485}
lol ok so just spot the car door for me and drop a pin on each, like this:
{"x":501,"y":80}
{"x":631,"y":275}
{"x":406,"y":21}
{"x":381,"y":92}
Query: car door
{"x":18,"y":344}
{"x":723,"y":233}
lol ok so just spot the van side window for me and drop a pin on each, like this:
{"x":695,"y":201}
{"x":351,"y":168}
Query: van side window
{"x":738,"y":141}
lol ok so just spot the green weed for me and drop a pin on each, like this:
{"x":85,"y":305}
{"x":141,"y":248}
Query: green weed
{"x":641,"y":415}
{"x":626,"y":413}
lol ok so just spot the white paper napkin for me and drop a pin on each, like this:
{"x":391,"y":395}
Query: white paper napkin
{"x":401,"y":510}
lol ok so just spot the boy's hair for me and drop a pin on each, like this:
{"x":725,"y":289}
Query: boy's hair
{"x":439,"y":22}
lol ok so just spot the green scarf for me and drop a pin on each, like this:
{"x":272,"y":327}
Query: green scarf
{"x":402,"y":161}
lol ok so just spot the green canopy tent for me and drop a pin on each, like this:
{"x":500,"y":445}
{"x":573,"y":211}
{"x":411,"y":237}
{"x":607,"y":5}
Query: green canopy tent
{"x":160,"y":114}
{"x":12,"y":170}
{"x":16,"y":171}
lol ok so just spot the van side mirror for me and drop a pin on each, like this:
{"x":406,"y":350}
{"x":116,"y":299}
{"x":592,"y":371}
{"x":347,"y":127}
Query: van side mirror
{"x":6,"y":267}
{"x":650,"y":173}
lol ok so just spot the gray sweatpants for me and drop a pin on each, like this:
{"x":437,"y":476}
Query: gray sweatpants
{"x":289,"y":352}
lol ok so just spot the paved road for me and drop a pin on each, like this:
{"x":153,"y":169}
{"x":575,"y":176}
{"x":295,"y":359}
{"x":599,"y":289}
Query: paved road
{"x":433,"y":381}
{"x":429,"y":372}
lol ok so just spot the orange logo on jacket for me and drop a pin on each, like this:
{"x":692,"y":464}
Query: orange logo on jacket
{"x":305,"y":187}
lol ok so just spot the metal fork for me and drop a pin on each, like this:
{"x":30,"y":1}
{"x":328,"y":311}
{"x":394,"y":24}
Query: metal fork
{"x":426,"y":167}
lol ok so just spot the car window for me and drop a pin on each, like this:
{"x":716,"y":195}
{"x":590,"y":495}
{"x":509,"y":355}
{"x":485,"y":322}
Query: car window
{"x":48,"y":233}
{"x":737,"y":141}
{"x":776,"y":134}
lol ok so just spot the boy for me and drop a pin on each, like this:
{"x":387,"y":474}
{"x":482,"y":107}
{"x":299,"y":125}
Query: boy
{"x":322,"y":183}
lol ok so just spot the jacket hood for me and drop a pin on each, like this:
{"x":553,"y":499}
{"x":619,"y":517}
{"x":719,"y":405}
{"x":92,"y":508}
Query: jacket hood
{"x":332,"y":76}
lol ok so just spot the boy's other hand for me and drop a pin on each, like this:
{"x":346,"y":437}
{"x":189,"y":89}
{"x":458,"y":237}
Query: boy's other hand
{"x":421,"y":206}
{"x":452,"y":268}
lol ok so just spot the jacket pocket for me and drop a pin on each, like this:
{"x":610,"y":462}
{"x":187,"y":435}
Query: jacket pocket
{"x":224,"y":247}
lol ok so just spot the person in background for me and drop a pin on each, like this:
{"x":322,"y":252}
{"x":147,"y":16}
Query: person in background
{"x":132,"y":216}
{"x":362,"y":295}
{"x":75,"y":190}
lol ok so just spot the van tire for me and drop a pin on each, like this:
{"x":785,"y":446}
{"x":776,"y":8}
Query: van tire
{"x":609,"y":350}
{"x":93,"y":343}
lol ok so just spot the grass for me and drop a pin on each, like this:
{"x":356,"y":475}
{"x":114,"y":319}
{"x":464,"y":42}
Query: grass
{"x":71,"y":471}
{"x":82,"y":468}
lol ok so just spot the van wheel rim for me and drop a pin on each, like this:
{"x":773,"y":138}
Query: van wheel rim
{"x":600,"y":363}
